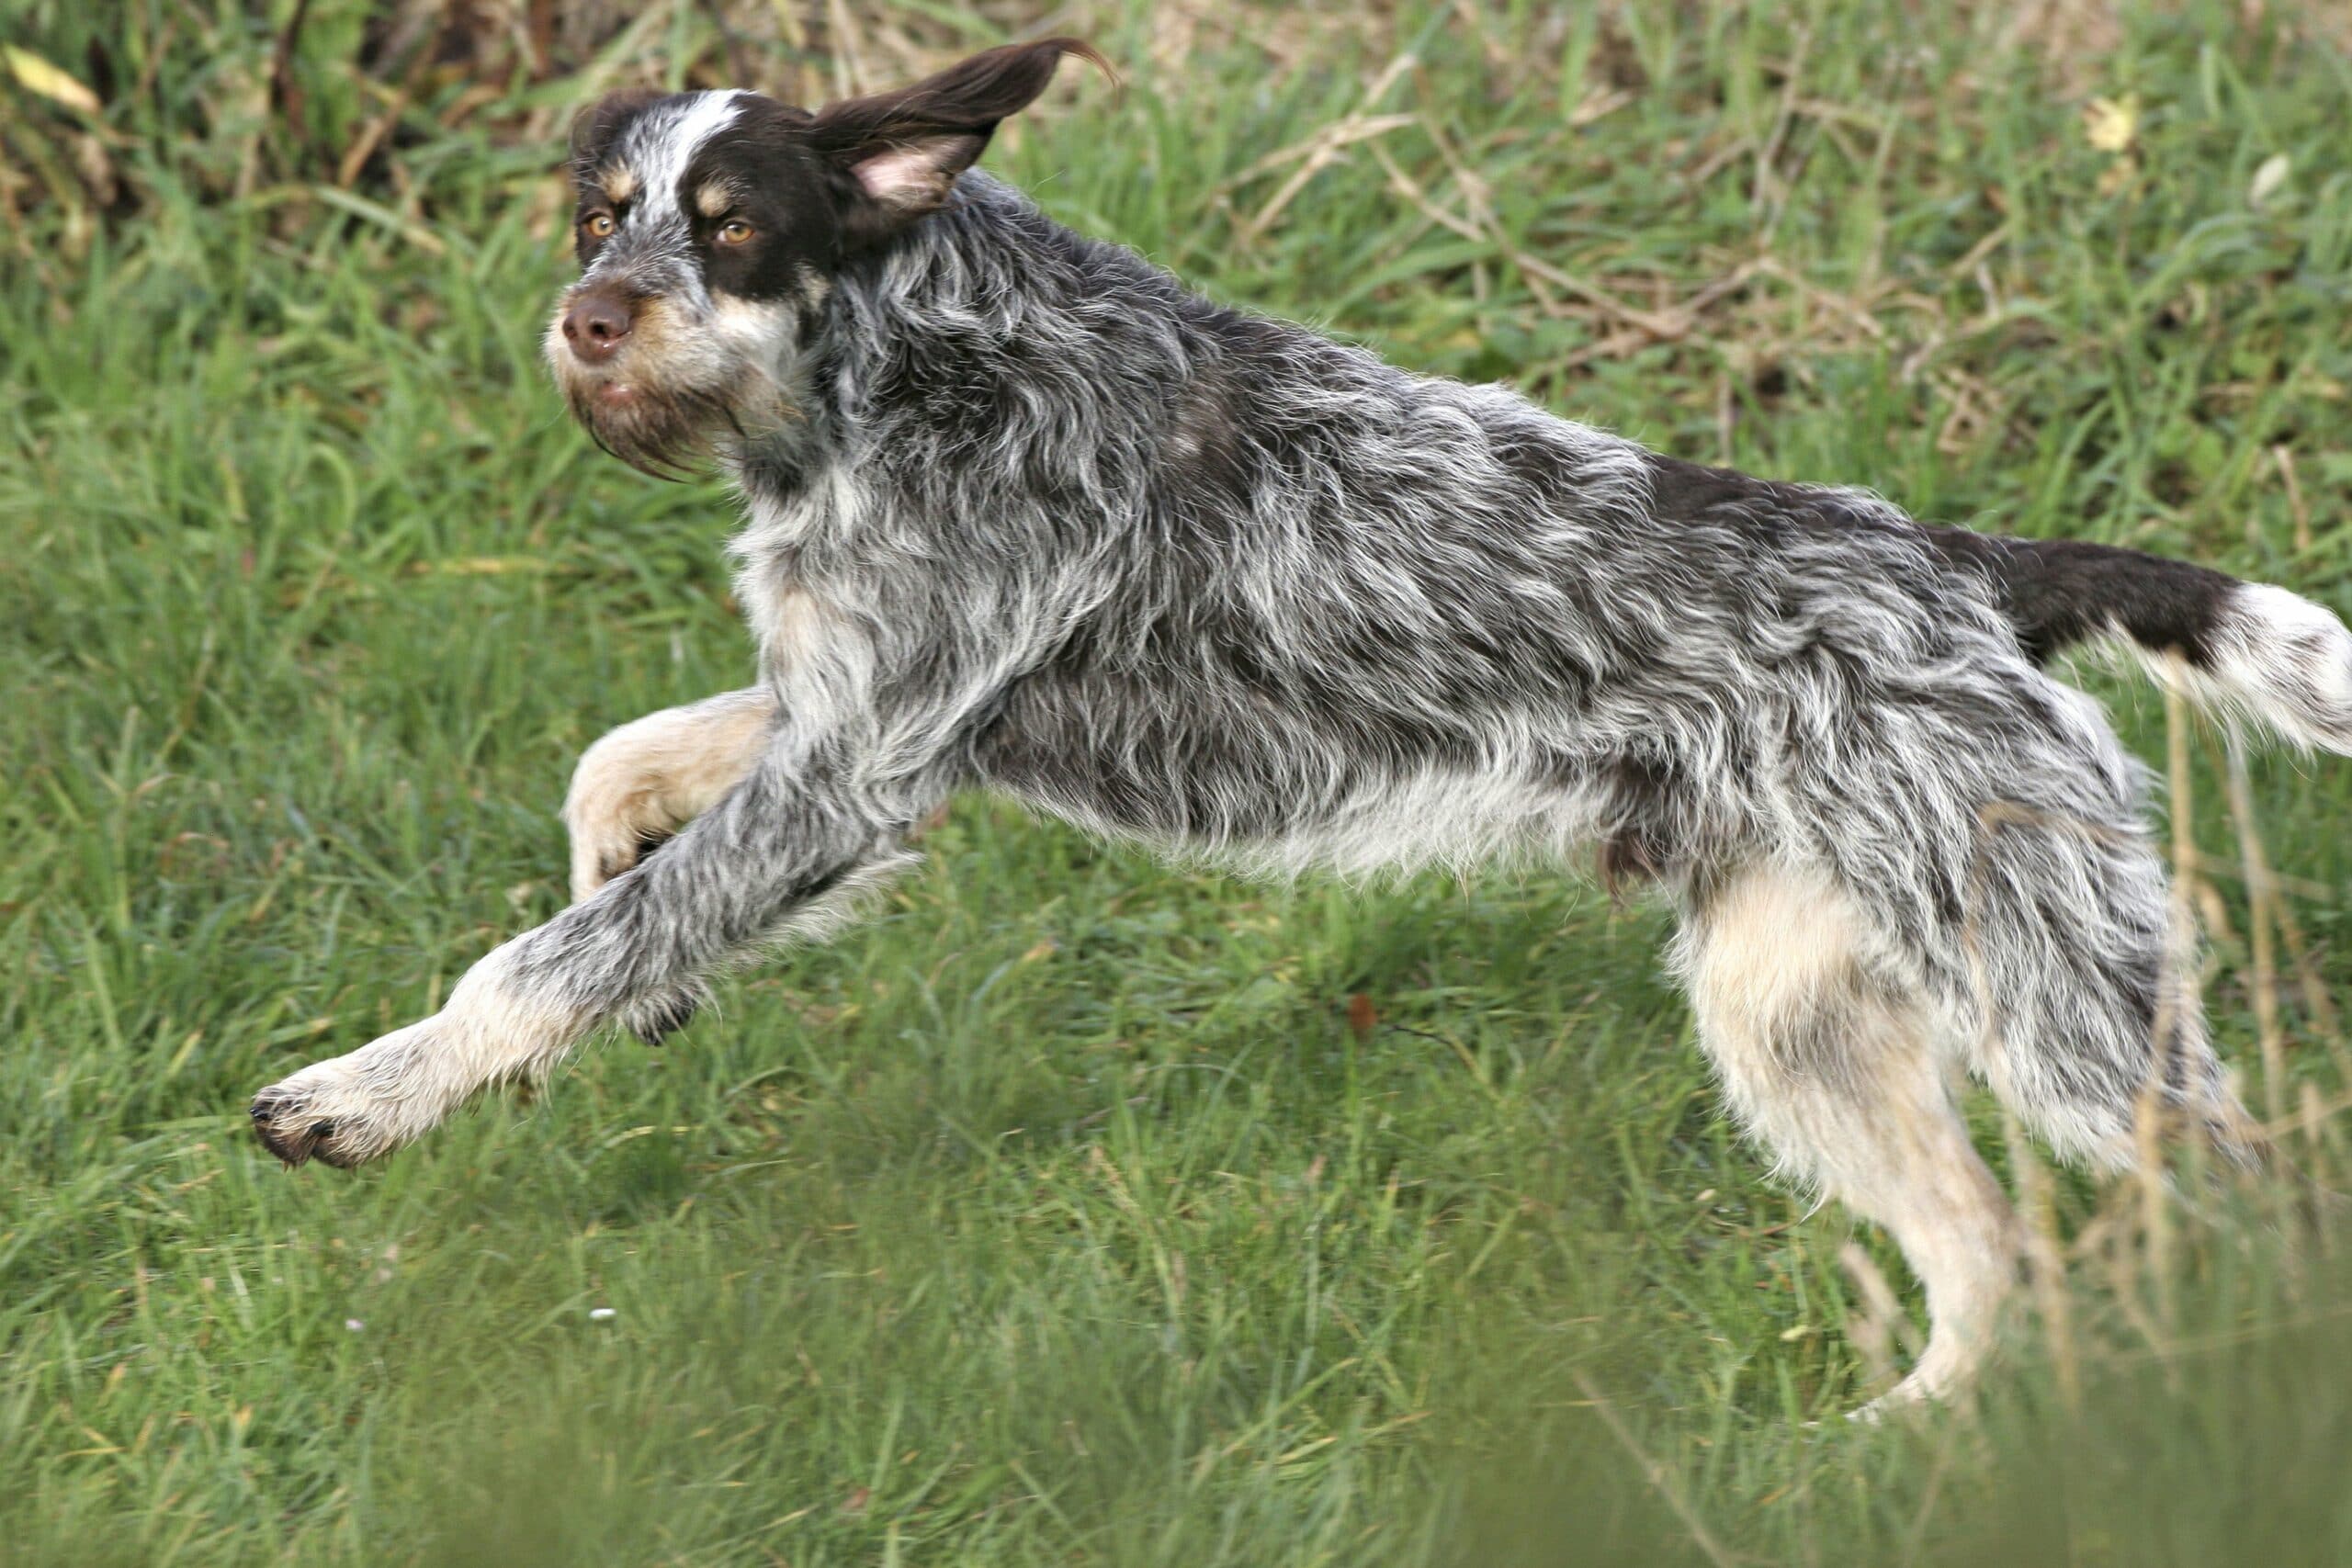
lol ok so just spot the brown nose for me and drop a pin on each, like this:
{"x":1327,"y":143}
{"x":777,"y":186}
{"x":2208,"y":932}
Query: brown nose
{"x":596,"y":324}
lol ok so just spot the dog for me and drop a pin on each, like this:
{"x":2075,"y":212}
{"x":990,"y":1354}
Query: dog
{"x":1025,"y":513}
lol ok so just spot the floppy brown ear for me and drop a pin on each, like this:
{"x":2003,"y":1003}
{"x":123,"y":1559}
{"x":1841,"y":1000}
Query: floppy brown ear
{"x":901,"y":151}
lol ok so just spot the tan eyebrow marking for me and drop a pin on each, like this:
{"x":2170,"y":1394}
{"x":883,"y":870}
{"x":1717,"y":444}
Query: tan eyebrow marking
{"x":618,"y":183}
{"x":714,"y":198}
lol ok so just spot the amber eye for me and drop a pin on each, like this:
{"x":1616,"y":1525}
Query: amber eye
{"x":734,"y":231}
{"x":597,"y":225}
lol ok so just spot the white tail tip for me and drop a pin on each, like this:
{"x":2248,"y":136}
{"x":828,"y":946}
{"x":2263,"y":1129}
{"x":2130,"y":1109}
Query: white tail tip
{"x":2280,"y":660}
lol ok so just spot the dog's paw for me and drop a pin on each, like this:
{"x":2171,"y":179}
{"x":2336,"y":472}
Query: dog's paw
{"x":346,"y":1110}
{"x":295,"y":1131}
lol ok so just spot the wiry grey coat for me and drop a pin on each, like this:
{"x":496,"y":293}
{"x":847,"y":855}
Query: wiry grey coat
{"x":1025,"y":513}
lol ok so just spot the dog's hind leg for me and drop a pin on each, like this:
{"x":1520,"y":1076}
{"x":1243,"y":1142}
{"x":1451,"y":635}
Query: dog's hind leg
{"x":2082,"y":1011}
{"x":1836,"y":1072}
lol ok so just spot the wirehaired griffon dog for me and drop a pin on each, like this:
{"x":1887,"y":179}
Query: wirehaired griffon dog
{"x":1025,"y":513}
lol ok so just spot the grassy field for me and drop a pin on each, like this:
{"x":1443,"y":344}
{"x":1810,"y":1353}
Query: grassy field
{"x":1077,"y":1210}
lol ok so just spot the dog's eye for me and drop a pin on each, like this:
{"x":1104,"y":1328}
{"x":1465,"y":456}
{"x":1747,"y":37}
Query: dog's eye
{"x":734,"y":231}
{"x":597,"y":225}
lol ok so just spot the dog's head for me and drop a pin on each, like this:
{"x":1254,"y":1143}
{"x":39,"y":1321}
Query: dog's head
{"x":710,"y":224}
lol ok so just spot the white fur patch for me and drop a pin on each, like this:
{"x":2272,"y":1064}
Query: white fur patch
{"x":663,"y":155}
{"x":654,"y":155}
{"x":2275,"y":658}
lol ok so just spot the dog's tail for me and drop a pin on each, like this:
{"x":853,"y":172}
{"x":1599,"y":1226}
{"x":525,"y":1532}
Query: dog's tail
{"x":2242,"y":648}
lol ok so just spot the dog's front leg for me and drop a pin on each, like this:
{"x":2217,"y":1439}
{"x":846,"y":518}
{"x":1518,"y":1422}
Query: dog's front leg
{"x":813,"y":823}
{"x":643,"y":781}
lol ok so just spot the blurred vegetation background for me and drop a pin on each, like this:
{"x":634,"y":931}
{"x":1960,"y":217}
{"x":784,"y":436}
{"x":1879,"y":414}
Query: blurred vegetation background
{"x":1079,"y":1209}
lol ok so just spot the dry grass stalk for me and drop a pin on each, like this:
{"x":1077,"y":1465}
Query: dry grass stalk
{"x":1768,"y":192}
{"x":2046,"y":1262}
{"x":2297,"y":508}
{"x":1660,"y":1479}
{"x":2313,"y":1116}
{"x":2148,"y":1123}
{"x":1324,"y":149}
{"x":2262,"y":898}
{"x":1873,"y":1330}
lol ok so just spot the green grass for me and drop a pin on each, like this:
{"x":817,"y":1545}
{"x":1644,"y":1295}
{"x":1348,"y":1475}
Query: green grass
{"x":1064,"y":1213}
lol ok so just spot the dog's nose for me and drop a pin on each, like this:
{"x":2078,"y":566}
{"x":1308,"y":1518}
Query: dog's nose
{"x":596,"y":324}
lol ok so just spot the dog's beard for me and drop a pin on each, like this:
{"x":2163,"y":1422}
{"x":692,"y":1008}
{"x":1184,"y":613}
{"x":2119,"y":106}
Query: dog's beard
{"x":666,"y":427}
{"x":660,"y":430}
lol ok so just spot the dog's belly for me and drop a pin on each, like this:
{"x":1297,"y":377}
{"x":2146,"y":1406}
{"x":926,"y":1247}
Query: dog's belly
{"x":1432,"y":818}
{"x":1281,"y":800}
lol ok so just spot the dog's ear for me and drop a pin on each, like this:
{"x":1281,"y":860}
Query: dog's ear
{"x":899,"y":153}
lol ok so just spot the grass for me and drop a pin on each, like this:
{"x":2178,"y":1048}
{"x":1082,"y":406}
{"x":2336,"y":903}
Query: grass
{"x":1078,"y":1210}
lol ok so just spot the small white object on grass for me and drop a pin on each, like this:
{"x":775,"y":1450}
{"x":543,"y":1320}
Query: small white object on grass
{"x":602,"y":1315}
{"x":353,"y":1325}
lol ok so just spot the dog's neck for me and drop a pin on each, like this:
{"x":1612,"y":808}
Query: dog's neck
{"x":922,"y":337}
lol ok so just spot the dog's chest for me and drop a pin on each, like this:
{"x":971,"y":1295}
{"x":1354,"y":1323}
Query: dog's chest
{"x":797,"y":573}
